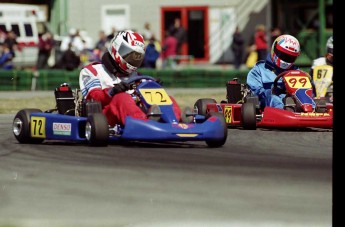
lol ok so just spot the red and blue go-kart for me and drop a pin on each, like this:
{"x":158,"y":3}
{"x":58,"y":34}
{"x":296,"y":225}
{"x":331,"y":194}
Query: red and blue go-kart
{"x":242,"y":109}
{"x":75,"y":119}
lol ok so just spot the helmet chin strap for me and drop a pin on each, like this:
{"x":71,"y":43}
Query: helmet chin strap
{"x":110,"y":65}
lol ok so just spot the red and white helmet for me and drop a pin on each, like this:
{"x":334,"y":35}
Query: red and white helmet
{"x":285,"y":50}
{"x":127,"y":49}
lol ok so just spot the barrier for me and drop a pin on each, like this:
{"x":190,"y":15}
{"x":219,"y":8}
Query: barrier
{"x":12,"y":80}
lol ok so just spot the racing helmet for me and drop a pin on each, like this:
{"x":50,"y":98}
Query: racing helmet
{"x":127,"y":49}
{"x":285,"y":50}
{"x":329,"y":47}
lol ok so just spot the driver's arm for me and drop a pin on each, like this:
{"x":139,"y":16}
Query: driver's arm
{"x":254,"y":82}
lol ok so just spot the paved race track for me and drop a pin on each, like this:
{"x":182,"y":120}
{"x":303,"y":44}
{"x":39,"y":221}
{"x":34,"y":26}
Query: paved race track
{"x":262,"y":178}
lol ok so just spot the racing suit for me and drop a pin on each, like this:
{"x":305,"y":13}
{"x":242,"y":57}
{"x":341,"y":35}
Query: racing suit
{"x":95,"y":82}
{"x":260,"y":81}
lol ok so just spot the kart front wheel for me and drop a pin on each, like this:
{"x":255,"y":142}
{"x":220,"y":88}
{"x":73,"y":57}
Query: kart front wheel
{"x":21,"y":127}
{"x":97,"y":130}
{"x":248,"y":112}
{"x":219,"y":142}
{"x":201,"y":105}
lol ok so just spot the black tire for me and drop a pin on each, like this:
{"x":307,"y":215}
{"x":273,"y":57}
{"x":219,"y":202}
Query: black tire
{"x":201,"y":105}
{"x":248,"y":112}
{"x":97,"y":130}
{"x":21,"y":127}
{"x":220,"y":142}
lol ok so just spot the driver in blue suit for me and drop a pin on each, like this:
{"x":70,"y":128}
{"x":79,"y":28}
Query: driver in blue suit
{"x":284,"y":52}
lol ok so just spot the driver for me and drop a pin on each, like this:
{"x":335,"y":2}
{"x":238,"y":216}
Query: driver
{"x":284,"y":52}
{"x":102,"y":81}
{"x":325,"y":60}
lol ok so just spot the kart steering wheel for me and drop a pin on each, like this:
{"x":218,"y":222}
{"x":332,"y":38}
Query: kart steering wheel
{"x":275,"y":82}
{"x":135,"y":78}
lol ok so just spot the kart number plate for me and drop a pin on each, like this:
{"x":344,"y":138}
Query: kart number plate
{"x":156,"y":96}
{"x":37,"y":127}
{"x":298,"y":81}
{"x":323,"y":73}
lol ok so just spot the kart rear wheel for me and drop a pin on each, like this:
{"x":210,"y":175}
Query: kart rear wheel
{"x":201,"y":105}
{"x":248,"y":112}
{"x":219,"y":142}
{"x":21,"y":127}
{"x":97,"y":130}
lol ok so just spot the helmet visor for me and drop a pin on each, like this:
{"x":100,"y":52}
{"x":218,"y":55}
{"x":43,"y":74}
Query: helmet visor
{"x":130,"y":56}
{"x":284,"y":56}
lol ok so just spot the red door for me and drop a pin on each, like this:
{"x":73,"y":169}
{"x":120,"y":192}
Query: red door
{"x":194,"y":20}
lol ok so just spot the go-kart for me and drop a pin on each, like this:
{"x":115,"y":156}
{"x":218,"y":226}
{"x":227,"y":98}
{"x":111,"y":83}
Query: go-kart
{"x":323,"y":81}
{"x":242,"y":108}
{"x":76,"y":119}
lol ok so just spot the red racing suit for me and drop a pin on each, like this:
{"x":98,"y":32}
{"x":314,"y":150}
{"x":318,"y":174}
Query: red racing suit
{"x":95,"y":82}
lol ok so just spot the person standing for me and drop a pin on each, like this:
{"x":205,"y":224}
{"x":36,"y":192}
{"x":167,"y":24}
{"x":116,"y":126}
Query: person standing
{"x":147,"y":33}
{"x":237,"y":47}
{"x":261,"y":41}
{"x":169,"y":50}
{"x":45,"y":46}
{"x":179,"y":33}
{"x":151,"y":54}
{"x":11,"y":42}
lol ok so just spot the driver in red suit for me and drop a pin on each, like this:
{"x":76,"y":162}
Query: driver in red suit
{"x":101,"y":81}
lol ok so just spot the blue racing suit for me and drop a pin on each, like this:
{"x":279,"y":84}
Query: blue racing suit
{"x":260,"y":81}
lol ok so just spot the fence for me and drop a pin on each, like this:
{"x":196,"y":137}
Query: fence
{"x":13,"y":80}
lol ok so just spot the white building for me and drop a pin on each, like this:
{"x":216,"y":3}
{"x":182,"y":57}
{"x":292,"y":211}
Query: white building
{"x":209,"y":24}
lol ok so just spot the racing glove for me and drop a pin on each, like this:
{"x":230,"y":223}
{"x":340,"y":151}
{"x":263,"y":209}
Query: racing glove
{"x":118,"y":88}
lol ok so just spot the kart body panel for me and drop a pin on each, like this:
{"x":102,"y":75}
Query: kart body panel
{"x":297,"y":86}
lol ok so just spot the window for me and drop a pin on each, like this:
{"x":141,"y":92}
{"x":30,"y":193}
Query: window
{"x":15,"y":29}
{"x":28,"y":30}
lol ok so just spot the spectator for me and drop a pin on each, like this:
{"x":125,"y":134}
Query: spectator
{"x":275,"y":33}
{"x":147,"y":33}
{"x":2,"y":36}
{"x":11,"y":42}
{"x":73,"y":41}
{"x":112,"y":33}
{"x":151,"y":54}
{"x":169,"y":50}
{"x":45,"y":46}
{"x":102,"y":42}
{"x":69,"y":60}
{"x":6,"y":57}
{"x":179,"y":33}
{"x":261,"y":41}
{"x":237,"y":47}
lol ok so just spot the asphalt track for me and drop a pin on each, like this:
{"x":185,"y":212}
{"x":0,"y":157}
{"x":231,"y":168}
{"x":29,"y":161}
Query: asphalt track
{"x":258,"y":178}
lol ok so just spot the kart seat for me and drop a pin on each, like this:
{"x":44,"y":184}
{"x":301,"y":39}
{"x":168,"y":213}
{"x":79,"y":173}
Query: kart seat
{"x":65,"y":101}
{"x":233,"y":89}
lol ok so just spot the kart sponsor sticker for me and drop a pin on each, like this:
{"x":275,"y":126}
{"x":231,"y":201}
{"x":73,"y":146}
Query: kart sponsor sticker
{"x":228,"y":114}
{"x":182,"y":125}
{"x":38,"y":127}
{"x":315,"y":114}
{"x":298,"y":81}
{"x":62,"y":129}
{"x":156,"y":96}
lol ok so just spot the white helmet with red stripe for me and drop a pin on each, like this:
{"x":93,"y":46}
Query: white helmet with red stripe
{"x":127,"y":49}
{"x":285,"y":50}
